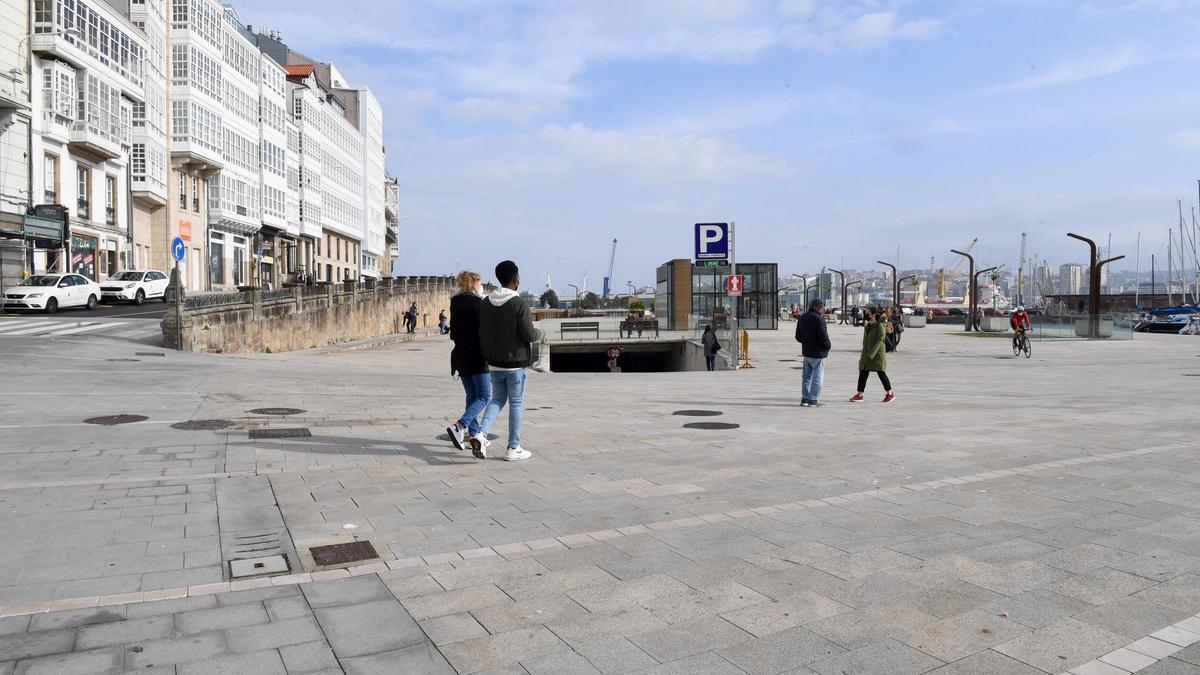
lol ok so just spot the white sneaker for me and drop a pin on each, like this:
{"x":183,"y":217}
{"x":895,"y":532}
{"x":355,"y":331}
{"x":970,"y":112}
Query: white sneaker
{"x":479,"y":446}
{"x":457,"y":436}
{"x":516,"y":454}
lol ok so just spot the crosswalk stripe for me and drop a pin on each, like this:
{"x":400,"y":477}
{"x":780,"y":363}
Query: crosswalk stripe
{"x":84,"y":329}
{"x":44,"y":328}
{"x":6,"y":326}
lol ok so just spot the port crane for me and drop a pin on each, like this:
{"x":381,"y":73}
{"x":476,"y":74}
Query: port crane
{"x":612,"y":260}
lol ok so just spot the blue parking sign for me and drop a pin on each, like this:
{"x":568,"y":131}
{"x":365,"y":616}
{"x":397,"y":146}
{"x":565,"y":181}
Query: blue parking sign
{"x":712,"y":241}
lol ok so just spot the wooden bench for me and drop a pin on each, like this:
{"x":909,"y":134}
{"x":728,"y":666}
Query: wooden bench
{"x":640,"y":325}
{"x":579,"y":327}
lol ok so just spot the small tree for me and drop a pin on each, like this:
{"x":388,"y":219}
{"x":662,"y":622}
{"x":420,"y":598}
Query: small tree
{"x":549,"y":299}
{"x":636,"y":304}
{"x":590,"y":301}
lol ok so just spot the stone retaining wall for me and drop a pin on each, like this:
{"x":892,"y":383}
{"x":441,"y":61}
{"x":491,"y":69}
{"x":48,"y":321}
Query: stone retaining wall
{"x":303,"y":317}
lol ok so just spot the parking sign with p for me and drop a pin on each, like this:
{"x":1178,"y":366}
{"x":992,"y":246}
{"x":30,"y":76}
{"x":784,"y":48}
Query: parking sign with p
{"x":712,"y":241}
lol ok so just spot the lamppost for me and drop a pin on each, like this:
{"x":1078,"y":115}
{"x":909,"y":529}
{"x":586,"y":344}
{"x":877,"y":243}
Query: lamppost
{"x":974,"y":319}
{"x":578,"y":300}
{"x":895,"y":283}
{"x":1094,"y":285}
{"x":967,"y":326}
{"x":843,"y":308}
{"x":804,"y":281}
{"x":846,"y":293}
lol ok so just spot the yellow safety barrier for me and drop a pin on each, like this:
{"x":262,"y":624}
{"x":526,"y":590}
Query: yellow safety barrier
{"x":744,"y":351}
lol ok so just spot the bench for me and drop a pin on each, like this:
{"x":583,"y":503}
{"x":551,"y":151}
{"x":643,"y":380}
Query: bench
{"x":640,"y":325}
{"x":579,"y":327}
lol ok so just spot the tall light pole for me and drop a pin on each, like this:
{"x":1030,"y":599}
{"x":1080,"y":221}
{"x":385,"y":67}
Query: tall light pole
{"x":971,"y":291}
{"x":895,"y":281}
{"x":900,"y":282}
{"x":1094,"y":285}
{"x":973,"y":320}
{"x":844,"y":310}
{"x":578,"y":300}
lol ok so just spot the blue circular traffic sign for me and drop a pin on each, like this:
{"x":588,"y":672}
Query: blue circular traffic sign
{"x":178,"y":249}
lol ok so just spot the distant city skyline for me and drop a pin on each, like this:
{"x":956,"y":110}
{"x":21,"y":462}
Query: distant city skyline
{"x":828,"y":131}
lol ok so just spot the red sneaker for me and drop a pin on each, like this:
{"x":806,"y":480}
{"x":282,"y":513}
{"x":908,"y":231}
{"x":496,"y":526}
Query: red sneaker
{"x":857,"y":398}
{"x":889,"y":397}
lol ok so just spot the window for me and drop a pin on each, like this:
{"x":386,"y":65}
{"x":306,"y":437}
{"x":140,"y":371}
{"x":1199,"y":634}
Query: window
{"x":216,"y":258}
{"x":196,"y":194}
{"x":50,"y":186}
{"x":182,"y":191}
{"x":84,"y":187}
{"x":110,"y":200}
{"x":239,"y":261}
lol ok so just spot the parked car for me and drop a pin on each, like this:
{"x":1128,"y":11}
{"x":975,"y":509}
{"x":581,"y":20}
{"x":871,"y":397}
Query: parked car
{"x":135,"y":286}
{"x":49,"y":292}
{"x":938,"y":311}
{"x":957,"y":311}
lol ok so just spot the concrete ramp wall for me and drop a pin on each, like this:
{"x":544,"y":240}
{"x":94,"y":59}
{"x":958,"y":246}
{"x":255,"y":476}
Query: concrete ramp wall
{"x":290,"y":319}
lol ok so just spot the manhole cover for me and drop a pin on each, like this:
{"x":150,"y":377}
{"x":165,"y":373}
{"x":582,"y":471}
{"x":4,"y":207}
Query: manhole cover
{"x":253,"y":567}
{"x":711,"y":426}
{"x":787,"y":360}
{"x":149,"y":354}
{"x":1191,"y":374}
{"x":123,"y":360}
{"x":299,"y":432}
{"x":340,"y":554}
{"x":110,"y":420}
{"x":276,"y":411}
{"x":698,"y":413}
{"x":202,"y":425}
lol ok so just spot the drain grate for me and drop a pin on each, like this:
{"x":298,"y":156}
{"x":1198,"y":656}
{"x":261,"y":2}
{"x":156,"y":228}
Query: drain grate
{"x":149,"y":354}
{"x":298,"y":432}
{"x":698,"y":413}
{"x":340,"y":554}
{"x":202,"y":425}
{"x":276,"y":411}
{"x":253,"y":567}
{"x":123,"y":360}
{"x":711,"y":426}
{"x":110,"y":420}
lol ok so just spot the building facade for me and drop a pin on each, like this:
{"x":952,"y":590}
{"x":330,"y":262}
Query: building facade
{"x":1071,"y":279}
{"x":138,"y":121}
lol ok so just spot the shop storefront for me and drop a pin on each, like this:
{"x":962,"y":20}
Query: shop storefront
{"x":83,"y":255}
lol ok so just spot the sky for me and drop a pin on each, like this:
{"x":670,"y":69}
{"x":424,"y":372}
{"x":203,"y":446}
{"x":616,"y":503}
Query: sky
{"x":834,"y":133}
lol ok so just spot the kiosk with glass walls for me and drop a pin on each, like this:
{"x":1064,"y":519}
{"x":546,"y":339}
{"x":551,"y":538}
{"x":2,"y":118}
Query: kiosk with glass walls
{"x":707,"y":301}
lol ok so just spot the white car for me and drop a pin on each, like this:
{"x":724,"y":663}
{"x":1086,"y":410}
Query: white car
{"x":135,"y":286}
{"x":49,"y":292}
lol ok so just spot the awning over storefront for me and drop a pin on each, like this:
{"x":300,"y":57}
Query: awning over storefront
{"x":43,"y":228}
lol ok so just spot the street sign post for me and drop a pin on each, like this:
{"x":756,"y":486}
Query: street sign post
{"x":734,"y":284}
{"x":175,"y":291}
{"x":614,"y":353}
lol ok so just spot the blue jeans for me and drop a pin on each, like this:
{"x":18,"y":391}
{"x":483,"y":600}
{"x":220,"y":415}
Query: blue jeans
{"x":479,"y":392}
{"x":814,"y":377}
{"x":508,"y":386}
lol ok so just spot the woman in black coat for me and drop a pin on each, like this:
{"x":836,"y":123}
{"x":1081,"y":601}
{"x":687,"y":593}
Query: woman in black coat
{"x":466,"y":360}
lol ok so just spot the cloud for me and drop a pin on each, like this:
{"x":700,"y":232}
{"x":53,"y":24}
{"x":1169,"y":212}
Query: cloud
{"x":1186,"y":139}
{"x":1077,"y":70}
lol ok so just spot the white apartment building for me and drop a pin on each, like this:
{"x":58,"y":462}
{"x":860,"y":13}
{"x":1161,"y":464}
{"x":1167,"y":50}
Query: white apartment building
{"x":87,"y":61}
{"x":1071,"y":279}
{"x":365,"y":113}
{"x":15,"y":118}
{"x":148,"y":161}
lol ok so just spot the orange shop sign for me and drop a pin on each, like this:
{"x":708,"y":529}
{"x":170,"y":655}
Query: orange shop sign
{"x":185,"y":230}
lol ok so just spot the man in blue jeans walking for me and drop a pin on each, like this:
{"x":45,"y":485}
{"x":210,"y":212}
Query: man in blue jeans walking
{"x":813,"y":337}
{"x":505,"y":334}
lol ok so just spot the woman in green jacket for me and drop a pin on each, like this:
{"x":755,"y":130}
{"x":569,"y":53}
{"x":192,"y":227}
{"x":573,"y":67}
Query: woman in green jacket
{"x":874,"y":356}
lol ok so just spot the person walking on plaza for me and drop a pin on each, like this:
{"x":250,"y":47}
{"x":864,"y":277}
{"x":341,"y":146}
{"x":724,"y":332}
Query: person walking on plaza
{"x":874,"y":356}
{"x":410,"y":318}
{"x":897,"y":327}
{"x":813,"y":337}
{"x":442,"y":327}
{"x":711,"y":347}
{"x":506,"y":334}
{"x":466,"y":359}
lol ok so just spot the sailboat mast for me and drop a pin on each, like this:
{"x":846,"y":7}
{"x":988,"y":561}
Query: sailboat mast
{"x":1137,"y":274}
{"x":1170,"y":268}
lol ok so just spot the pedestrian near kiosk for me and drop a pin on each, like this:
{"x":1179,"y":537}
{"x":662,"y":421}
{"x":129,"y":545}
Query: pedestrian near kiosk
{"x":442,"y":327}
{"x":466,"y":359}
{"x":874,"y":356}
{"x":813,"y":336}
{"x":506,"y":335}
{"x":711,"y":347}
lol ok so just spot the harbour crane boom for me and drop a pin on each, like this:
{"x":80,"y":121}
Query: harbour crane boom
{"x":612,"y":260}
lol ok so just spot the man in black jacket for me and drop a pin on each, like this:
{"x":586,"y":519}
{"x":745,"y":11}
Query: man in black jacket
{"x":812,"y":334}
{"x":505,"y":335}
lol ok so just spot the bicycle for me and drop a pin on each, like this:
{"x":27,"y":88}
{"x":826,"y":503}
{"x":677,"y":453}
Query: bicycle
{"x":1021,"y":345}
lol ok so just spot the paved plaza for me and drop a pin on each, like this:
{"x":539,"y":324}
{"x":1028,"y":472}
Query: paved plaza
{"x":1002,"y":516}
